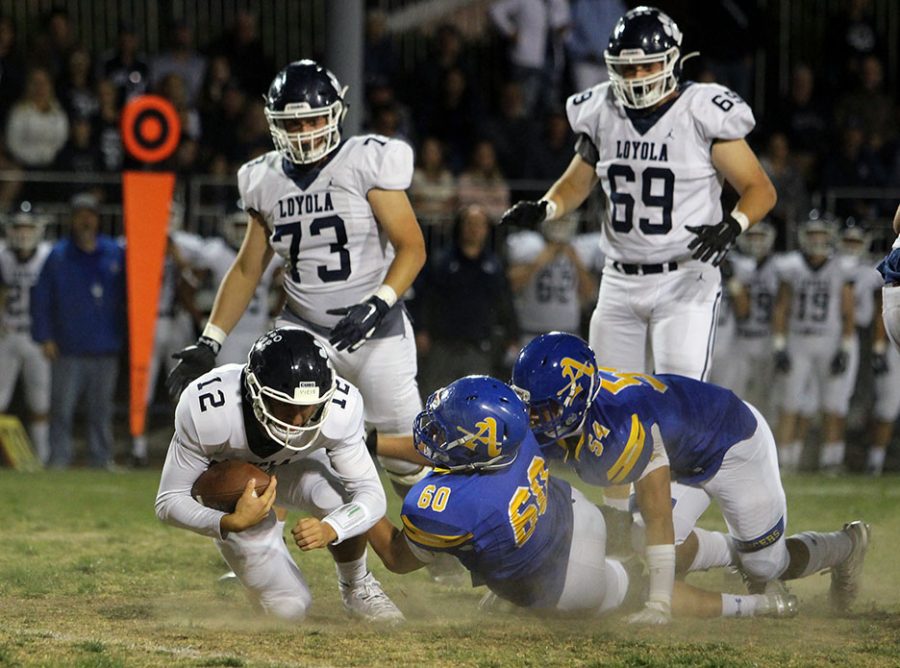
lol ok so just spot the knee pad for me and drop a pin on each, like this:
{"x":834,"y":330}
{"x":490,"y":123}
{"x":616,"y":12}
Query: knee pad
{"x":766,"y":564}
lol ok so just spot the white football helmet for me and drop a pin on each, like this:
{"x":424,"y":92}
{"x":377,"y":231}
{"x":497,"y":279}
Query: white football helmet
{"x":817,"y":235}
{"x":758,"y":240}
{"x":855,"y":240}
{"x":24,"y":231}
{"x":234,"y":228}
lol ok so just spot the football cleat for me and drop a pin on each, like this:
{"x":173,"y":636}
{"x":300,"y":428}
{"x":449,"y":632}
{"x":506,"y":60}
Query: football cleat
{"x":366,"y":600}
{"x":846,"y":576}
{"x":777,"y":605}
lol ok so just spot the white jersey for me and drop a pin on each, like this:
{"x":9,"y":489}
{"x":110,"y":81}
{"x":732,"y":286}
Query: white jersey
{"x":216,"y":256}
{"x":866,"y":282}
{"x":761,"y":281}
{"x":214,"y":422}
{"x":550,"y":301}
{"x":18,"y":278}
{"x":321,"y":223}
{"x":816,"y":295}
{"x":659,"y":178}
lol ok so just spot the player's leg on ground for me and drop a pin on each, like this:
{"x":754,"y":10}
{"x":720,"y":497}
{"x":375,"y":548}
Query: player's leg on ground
{"x":690,"y":601}
{"x":263,"y":565}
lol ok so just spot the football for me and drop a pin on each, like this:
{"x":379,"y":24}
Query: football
{"x":221,"y":485}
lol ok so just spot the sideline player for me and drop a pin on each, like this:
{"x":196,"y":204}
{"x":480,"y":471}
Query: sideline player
{"x":336,"y":211}
{"x":660,"y":149}
{"x":287,"y":412}
{"x":616,"y":428}
{"x":21,"y":260}
{"x":531,"y":538}
{"x":890,"y":270}
{"x":814,"y":340}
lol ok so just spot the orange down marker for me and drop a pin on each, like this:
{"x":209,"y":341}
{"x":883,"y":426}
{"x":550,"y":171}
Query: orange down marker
{"x":150,"y":133}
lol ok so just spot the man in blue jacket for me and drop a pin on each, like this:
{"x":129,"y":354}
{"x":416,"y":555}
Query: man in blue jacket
{"x":78,"y":318}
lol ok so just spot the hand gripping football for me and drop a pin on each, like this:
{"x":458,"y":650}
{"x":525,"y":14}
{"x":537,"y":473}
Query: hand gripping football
{"x":221,"y":485}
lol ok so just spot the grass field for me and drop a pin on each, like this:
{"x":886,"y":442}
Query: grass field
{"x":89,"y":577}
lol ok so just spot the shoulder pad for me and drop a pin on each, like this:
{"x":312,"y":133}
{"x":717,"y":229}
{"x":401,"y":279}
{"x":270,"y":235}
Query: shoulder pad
{"x":251,"y":176}
{"x":346,"y":419}
{"x":582,"y":108}
{"x":381,"y":162}
{"x":207,"y":429}
{"x":719,"y":113}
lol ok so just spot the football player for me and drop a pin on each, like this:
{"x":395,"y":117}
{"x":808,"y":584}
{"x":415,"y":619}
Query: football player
{"x":335,"y":210}
{"x":216,"y":255}
{"x":289,"y":413}
{"x":615,"y":428}
{"x":890,"y":270}
{"x":660,"y":149}
{"x":813,"y":337}
{"x":535,"y":541}
{"x":550,"y":276}
{"x":21,"y":260}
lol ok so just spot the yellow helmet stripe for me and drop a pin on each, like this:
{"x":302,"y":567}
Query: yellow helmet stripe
{"x":619,"y":471}
{"x":434,"y":540}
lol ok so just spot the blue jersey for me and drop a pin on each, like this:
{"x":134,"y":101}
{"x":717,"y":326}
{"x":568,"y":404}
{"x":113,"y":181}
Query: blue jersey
{"x":511,"y":528}
{"x":698,"y":423}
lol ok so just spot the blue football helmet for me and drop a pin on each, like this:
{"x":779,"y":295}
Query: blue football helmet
{"x":556,"y":375}
{"x":475,"y":423}
{"x":643,"y":36}
{"x":305,"y":91}
{"x":288,"y":369}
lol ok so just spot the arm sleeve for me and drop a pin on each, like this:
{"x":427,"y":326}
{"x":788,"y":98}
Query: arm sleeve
{"x":185,"y":461}
{"x":587,"y":149}
{"x":659,"y":457}
{"x":367,"y":503}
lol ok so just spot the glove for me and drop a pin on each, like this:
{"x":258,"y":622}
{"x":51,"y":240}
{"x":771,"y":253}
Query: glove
{"x":358,"y":324}
{"x":194,"y":361}
{"x":879,"y":363}
{"x":654,"y":612}
{"x":839,"y":362}
{"x":713,"y":241}
{"x":782,"y":361}
{"x":525,"y":214}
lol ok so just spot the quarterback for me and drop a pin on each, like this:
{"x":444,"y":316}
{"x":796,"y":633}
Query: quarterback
{"x":617,"y":428}
{"x":660,"y":149}
{"x":287,"y":412}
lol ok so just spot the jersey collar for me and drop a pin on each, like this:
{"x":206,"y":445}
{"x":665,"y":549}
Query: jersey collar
{"x":303,"y":178}
{"x":643,"y":120}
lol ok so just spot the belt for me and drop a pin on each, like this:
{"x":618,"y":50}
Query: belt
{"x":641,"y":269}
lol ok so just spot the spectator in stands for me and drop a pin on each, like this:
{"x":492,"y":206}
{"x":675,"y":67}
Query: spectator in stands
{"x":552,"y":152}
{"x":378,"y":51}
{"x":465,"y":308}
{"x":728,"y":33}
{"x":220,"y":120}
{"x":218,"y":77}
{"x":80,"y":154}
{"x":78,"y":318}
{"x":513,"y":131}
{"x":854,"y":164}
{"x":106,"y":132}
{"x":868,"y":105}
{"x":173,"y":88}
{"x":77,"y":92}
{"x":452,"y":116}
{"x":483,"y":182}
{"x":803,"y":118}
{"x":253,"y":136}
{"x":37,"y":127}
{"x":590,"y":26}
{"x":448,"y":52}
{"x":127,"y":71}
{"x":793,"y":199}
{"x":246,"y":54}
{"x":12,"y":72}
{"x":528,"y":26}
{"x":180,"y":58}
{"x":851,"y":35}
{"x":380,"y":95}
{"x":52,"y":45}
{"x":433,"y":189}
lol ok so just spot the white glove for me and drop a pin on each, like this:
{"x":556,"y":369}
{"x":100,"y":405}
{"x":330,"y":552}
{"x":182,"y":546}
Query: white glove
{"x":654,"y":612}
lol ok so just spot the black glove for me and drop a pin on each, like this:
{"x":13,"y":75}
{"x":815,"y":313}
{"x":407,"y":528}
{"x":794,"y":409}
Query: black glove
{"x":358,"y":323}
{"x":714,"y":241}
{"x":782,"y":361}
{"x":839,"y":362}
{"x":525,"y":214}
{"x":195,"y":361}
{"x":879,"y":363}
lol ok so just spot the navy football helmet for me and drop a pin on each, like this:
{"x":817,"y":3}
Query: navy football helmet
{"x":288,"y":370}
{"x":556,"y":375}
{"x":305,"y":95}
{"x":475,"y":423}
{"x":643,"y":36}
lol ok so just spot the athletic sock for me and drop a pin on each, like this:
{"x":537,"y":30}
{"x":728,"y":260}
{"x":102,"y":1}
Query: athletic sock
{"x":713,"y":550}
{"x":40,"y":437}
{"x":740,"y":605}
{"x":349,"y":572}
{"x":875,"y":460}
{"x":825,"y":549}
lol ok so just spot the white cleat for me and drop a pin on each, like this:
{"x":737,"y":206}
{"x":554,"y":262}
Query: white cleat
{"x":777,"y":605}
{"x":846,"y":576}
{"x":365,"y":599}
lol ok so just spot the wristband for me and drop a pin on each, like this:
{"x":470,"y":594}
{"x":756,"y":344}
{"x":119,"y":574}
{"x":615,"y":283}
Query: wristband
{"x":741,"y":218}
{"x":847,"y":344}
{"x":779,"y":342}
{"x":215,"y":333}
{"x":552,"y":208}
{"x":661,"y":564}
{"x":387,"y":294}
